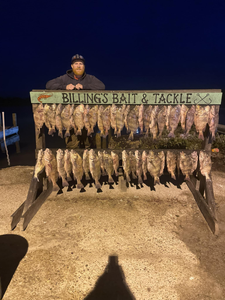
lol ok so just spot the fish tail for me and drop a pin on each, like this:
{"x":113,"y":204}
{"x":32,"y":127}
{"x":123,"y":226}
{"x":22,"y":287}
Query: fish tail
{"x":78,"y":132}
{"x":67,"y":133}
{"x":116,"y":173}
{"x":55,"y":187}
{"x":110,"y":179}
{"x":140,"y":180}
{"x":131,"y":136}
{"x":173,"y":176}
{"x":51,"y":131}
{"x":145,"y":176}
{"x":187,"y":177}
{"x":60,"y":134}
{"x":201,"y":136}
{"x":128,"y":177}
{"x":64,"y":182}
{"x":87,"y":176}
{"x":133,"y":175}
{"x":79,"y":185}
{"x":97,"y":184}
{"x":156,"y":180}
{"x":118,"y":133}
{"x":68,"y":177}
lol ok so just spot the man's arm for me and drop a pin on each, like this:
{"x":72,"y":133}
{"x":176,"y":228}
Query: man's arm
{"x":93,"y":83}
{"x":56,"y":84}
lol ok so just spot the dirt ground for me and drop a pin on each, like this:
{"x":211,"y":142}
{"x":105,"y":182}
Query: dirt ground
{"x":141,"y":244}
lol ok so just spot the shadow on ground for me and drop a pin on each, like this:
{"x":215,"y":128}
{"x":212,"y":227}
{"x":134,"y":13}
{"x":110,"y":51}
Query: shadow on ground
{"x":13,"y":249}
{"x":111,"y":285}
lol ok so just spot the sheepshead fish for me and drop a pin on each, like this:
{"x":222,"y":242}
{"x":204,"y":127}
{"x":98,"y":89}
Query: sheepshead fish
{"x":126,"y":165}
{"x":201,"y":119}
{"x":39,"y":117}
{"x":174,"y":119}
{"x":72,"y":123}
{"x":51,"y":168}
{"x":108,"y":166}
{"x":86,"y":164}
{"x":153,"y":122}
{"x":189,"y":120}
{"x":138,"y":158}
{"x":77,"y":168}
{"x":155,"y":165}
{"x":120,"y":119}
{"x":100,"y":120}
{"x":132,"y":121}
{"x":126,"y":112}
{"x":213,"y":119}
{"x":144,"y":164}
{"x":113,"y":118}
{"x":67,"y":164}
{"x":183,"y":114}
{"x":39,"y":164}
{"x":58,"y":120}
{"x":79,"y":118}
{"x":147,"y":118}
{"x":188,"y":163}
{"x":171,"y":163}
{"x":132,"y":165}
{"x":95,"y":168}
{"x":87,"y":124}
{"x":168,"y":117}
{"x":162,"y":115}
{"x":102,"y":162}
{"x":115,"y":159}
{"x":51,"y":118}
{"x":65,"y":117}
{"x":205,"y":164}
{"x":106,"y":120}
{"x":93,"y":117}
{"x":60,"y":167}
{"x":46,"y":119}
{"x":141,"y":118}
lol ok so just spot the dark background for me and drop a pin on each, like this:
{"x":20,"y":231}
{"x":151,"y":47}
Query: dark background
{"x":127,"y":44}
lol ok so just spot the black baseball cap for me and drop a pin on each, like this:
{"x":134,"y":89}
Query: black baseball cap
{"x":77,"y":57}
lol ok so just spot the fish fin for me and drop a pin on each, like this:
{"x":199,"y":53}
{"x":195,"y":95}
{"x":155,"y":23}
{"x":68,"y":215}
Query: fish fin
{"x":51,"y":131}
{"x":173,"y":176}
{"x":79,"y":185}
{"x":68,"y":177}
{"x":97,"y":184}
{"x":67,"y":133}
{"x":64,"y":182}
{"x":156,"y":180}
{"x":110,"y":179}
{"x":78,"y":132}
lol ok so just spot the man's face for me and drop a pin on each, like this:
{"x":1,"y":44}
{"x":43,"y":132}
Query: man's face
{"x":78,"y":68}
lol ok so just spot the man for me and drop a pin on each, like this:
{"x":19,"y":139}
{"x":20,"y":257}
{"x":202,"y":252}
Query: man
{"x":76,"y":78}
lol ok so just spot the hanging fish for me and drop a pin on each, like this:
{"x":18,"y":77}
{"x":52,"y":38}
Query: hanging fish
{"x":171,"y":163}
{"x":77,"y":168}
{"x":144,"y":164}
{"x":188,"y":163}
{"x":153,"y":122}
{"x":132,"y":122}
{"x":39,"y":117}
{"x":106,"y":119}
{"x":60,"y":167}
{"x":126,"y":165}
{"x":67,"y":165}
{"x":95,"y":168}
{"x":138,"y":166}
{"x":51,"y":118}
{"x":113,"y":118}
{"x":72,"y":122}
{"x":155,"y":165}
{"x":51,"y":168}
{"x":189,"y":120}
{"x":162,"y":115}
{"x":58,"y":120}
{"x":174,"y":119}
{"x":87,"y":124}
{"x":147,"y":118}
{"x":126,"y":112}
{"x":201,"y":119}
{"x":141,"y":118}
{"x":65,"y":117}
{"x":100,"y":120}
{"x":108,"y":161}
{"x":79,"y":118}
{"x":213,"y":119}
{"x":183,"y":114}
{"x":39,"y":166}
{"x":120,"y":119}
{"x":115,"y":159}
{"x":205,"y":164}
{"x":102,"y":162}
{"x":86,"y":164}
{"x":132,"y":164}
{"x":93,"y":117}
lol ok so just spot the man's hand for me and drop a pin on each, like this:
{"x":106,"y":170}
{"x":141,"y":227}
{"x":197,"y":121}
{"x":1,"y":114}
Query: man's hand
{"x":70,"y":86}
{"x":79,"y":86}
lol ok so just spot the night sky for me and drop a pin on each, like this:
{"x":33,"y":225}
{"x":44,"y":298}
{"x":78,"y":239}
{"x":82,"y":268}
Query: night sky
{"x":127,"y":44}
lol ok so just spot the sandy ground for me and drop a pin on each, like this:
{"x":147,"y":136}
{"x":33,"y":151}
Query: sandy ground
{"x":140,"y":244}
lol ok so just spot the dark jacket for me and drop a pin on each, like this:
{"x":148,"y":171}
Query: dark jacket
{"x":89,"y":82}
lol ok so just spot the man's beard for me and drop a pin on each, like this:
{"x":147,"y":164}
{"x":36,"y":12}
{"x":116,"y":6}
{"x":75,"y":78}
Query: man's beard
{"x":78,"y":72}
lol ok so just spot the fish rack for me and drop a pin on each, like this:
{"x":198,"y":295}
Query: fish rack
{"x":201,"y":188}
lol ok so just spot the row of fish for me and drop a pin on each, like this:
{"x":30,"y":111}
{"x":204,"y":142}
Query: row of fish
{"x":134,"y":164}
{"x":152,"y":118}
